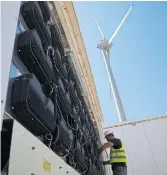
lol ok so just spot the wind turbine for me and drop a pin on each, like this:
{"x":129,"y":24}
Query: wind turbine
{"x":105,"y":46}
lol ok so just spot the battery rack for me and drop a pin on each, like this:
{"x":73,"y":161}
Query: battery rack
{"x":45,"y":101}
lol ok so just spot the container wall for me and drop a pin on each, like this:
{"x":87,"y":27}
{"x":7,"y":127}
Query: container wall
{"x":146,"y":146}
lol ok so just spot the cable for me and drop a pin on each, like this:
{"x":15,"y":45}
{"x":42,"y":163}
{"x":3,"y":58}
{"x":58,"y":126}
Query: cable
{"x":82,"y":138}
{"x":75,"y":129}
{"x":53,"y":87}
{"x":83,"y":144}
{"x":71,"y":141}
{"x":77,"y":109}
{"x":57,"y":134}
{"x":50,"y":139}
{"x":31,"y":50}
{"x":85,"y":170}
{"x":68,"y":150}
{"x":72,"y":163}
{"x":50,"y":48}
{"x":60,"y":73}
{"x":51,"y":54}
{"x":80,"y":146}
{"x":80,"y":135}
{"x":27,"y":108}
{"x":40,"y":27}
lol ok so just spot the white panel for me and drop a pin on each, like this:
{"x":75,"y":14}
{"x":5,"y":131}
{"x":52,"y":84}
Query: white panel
{"x":9,"y":15}
{"x":145,"y":145}
{"x":134,"y":132}
{"x":139,"y":151}
{"x":28,"y":161}
{"x":156,"y":131}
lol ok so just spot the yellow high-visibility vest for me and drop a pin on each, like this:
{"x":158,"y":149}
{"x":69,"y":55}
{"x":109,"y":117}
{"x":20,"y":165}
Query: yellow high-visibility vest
{"x":118,"y":155}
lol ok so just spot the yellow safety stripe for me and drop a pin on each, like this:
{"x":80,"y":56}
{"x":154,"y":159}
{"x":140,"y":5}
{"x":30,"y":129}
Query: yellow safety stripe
{"x":116,"y":151}
{"x":118,"y":155}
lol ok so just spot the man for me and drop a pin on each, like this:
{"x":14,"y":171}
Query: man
{"x":117,"y":154}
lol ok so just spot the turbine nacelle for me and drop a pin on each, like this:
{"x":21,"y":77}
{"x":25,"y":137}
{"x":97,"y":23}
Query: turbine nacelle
{"x":107,"y":44}
{"x":104,"y":45}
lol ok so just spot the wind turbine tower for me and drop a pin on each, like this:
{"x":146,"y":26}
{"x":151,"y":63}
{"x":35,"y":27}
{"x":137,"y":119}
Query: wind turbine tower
{"x":105,"y":47}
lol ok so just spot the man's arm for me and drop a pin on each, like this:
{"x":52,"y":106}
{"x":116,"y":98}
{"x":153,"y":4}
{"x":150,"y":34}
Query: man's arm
{"x":105,"y":146}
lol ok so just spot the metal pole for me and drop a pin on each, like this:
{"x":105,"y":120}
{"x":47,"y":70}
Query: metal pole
{"x":117,"y":99}
{"x":9,"y":13}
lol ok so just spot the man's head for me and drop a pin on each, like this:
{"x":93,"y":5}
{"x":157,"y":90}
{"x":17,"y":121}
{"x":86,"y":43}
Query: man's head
{"x":109,"y":135}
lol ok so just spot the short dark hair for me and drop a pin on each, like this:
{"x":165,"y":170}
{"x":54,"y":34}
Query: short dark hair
{"x":112,"y":134}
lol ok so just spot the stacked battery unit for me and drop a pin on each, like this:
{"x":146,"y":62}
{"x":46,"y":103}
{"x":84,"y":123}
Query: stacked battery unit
{"x":48,"y":101}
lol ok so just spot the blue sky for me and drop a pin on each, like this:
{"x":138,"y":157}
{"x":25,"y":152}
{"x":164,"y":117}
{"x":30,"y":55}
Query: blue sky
{"x":13,"y":72}
{"x":138,"y":56}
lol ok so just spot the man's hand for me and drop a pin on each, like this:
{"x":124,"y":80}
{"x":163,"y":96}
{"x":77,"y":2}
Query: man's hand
{"x":105,"y":146}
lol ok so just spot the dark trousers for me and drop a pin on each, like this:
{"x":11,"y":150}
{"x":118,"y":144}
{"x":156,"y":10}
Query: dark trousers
{"x":120,"y":170}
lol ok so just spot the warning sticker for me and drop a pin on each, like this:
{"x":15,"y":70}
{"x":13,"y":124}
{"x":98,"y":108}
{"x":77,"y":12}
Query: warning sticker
{"x":47,"y":166}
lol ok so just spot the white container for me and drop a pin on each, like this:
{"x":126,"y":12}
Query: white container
{"x":146,"y":145}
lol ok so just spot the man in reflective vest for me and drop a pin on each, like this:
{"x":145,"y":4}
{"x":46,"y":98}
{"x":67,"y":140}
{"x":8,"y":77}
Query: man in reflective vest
{"x":117,"y":154}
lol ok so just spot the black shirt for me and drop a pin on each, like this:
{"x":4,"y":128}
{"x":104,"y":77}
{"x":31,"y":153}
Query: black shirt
{"x":117,"y":145}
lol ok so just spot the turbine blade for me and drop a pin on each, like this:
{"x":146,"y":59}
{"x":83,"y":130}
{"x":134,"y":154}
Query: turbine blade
{"x":120,"y":25}
{"x":100,"y":30}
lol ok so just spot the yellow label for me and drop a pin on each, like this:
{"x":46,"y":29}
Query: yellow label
{"x":47,"y":166}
